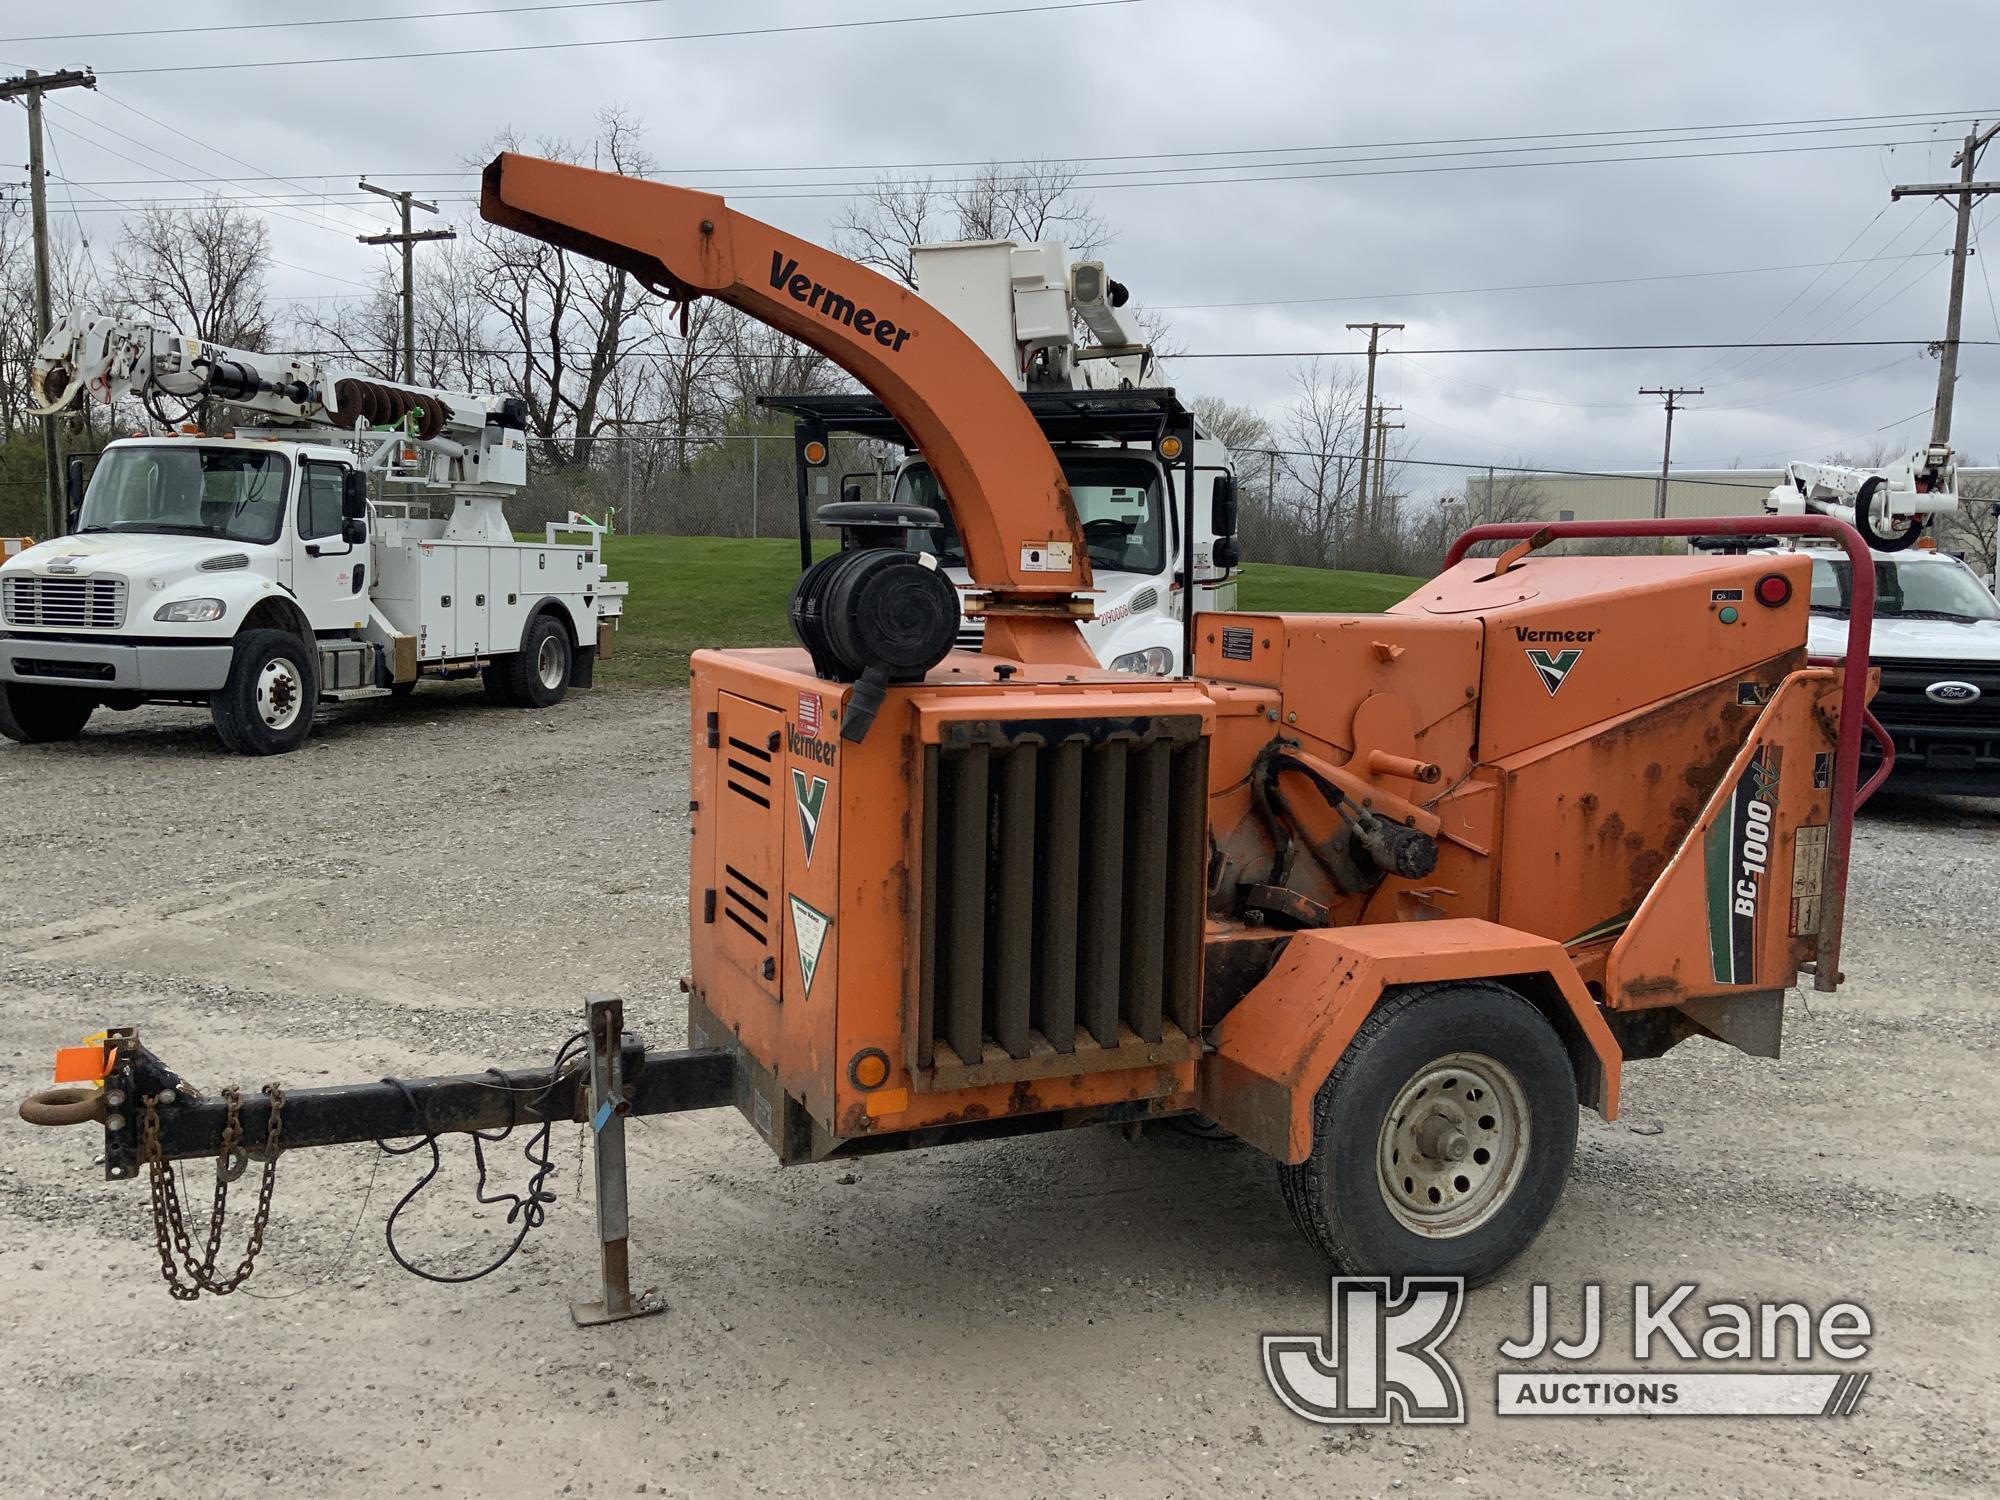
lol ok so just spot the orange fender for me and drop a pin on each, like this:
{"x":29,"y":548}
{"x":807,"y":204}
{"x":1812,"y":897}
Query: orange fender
{"x":1279,"y":1044}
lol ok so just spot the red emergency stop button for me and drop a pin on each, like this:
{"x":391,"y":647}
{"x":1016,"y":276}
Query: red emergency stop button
{"x":1773,"y":589}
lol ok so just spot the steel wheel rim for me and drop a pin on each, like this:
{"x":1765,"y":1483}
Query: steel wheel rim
{"x":1453,"y":1145}
{"x":548,"y":662}
{"x":280,"y":694}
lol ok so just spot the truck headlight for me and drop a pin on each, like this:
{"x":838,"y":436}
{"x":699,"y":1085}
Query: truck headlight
{"x":1154,"y":661}
{"x":189,"y":611}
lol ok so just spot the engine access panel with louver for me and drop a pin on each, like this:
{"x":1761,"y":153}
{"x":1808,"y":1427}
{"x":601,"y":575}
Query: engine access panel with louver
{"x":994,"y":901}
{"x":1063,"y":863}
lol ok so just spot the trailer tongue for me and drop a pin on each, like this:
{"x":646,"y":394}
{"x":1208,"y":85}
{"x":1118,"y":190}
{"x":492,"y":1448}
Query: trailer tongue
{"x":1388,"y":896}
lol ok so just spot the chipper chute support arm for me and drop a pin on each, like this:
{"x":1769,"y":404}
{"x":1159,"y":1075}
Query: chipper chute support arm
{"x":1023,"y":541}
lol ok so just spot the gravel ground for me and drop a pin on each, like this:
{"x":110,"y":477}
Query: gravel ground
{"x":433,"y":886}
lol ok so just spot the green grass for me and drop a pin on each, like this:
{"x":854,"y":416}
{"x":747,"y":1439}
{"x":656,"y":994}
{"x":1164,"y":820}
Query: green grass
{"x":1275,"y":586}
{"x":695,"y":591}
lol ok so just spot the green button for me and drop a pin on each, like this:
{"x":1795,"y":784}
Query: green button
{"x":1729,"y":614}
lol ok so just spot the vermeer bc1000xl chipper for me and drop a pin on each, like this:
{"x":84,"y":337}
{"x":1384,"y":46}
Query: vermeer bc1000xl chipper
{"x":1387,"y":896}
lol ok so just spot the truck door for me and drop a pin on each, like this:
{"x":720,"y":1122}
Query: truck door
{"x":328,"y":574}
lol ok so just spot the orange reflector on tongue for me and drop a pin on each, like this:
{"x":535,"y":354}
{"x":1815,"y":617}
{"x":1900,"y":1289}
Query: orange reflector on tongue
{"x":86,"y":1064}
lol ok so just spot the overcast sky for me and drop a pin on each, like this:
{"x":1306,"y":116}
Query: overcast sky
{"x":1179,"y":76}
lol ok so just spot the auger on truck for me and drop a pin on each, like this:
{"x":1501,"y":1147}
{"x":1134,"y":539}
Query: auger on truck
{"x":1387,"y":896}
{"x":345,"y":540}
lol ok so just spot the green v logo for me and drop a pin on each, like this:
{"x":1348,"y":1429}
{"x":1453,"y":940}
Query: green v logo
{"x":1553,"y":667}
{"x":810,"y":800}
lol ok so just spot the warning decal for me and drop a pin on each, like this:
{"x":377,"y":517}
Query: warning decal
{"x":809,"y":929}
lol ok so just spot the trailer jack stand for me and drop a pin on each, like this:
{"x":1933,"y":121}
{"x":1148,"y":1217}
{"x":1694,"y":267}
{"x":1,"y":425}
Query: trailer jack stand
{"x":609,"y":1104}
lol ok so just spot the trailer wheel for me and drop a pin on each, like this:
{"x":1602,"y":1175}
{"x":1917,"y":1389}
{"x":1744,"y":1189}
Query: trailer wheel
{"x":1442,"y":1139}
{"x":34,"y":715}
{"x":266,"y":707}
{"x":537,"y":675}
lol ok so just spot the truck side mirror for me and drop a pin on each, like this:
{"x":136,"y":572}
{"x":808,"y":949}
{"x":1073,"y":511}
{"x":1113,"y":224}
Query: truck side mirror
{"x":72,"y":491}
{"x":850,"y":492}
{"x":1222,"y":506}
{"x":353,"y":507}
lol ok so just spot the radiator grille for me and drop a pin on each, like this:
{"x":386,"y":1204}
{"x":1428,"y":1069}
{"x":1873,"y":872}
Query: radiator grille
{"x":971,"y":633}
{"x":63,"y":603}
{"x":1064,"y":861}
{"x":1905,"y":702}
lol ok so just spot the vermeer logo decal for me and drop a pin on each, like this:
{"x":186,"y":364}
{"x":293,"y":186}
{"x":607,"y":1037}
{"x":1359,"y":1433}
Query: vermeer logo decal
{"x":810,"y":800}
{"x":1554,"y":667}
{"x":829,"y":304}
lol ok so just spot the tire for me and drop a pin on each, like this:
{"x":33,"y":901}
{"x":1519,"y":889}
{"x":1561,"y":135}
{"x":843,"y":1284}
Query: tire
{"x":34,"y":715}
{"x":267,"y":705}
{"x":1467,"y":1069}
{"x":1200,"y":1128}
{"x":537,"y":675}
{"x":401,"y":690}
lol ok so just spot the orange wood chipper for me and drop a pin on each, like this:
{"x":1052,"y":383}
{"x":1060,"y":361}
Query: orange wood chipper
{"x":1386,"y":896}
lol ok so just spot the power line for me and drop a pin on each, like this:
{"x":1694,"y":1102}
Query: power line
{"x":787,"y":192}
{"x":431,"y":15}
{"x":1580,"y":348}
{"x":624,"y":41}
{"x":320,"y":223}
{"x":1186,"y":164}
{"x":1523,"y":286}
{"x":208,"y":146}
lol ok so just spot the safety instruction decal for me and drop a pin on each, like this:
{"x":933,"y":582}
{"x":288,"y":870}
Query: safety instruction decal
{"x":1048,"y":557}
{"x":809,"y":929}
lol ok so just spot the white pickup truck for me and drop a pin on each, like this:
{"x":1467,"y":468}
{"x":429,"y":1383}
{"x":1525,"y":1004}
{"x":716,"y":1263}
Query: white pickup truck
{"x":260,"y":572}
{"x":1936,"y":639}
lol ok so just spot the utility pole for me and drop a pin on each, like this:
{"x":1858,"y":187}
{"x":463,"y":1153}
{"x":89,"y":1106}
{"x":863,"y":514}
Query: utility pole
{"x":1672,"y":393}
{"x":1965,"y":190}
{"x":32,"y":85}
{"x":408,"y":240}
{"x":1383,"y":427}
{"x":1375,"y":331}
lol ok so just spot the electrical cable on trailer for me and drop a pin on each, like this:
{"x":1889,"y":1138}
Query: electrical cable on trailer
{"x":531,"y":1208}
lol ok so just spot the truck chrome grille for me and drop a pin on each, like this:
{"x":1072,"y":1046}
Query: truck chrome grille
{"x":63,"y":603}
{"x":1062,"y":888}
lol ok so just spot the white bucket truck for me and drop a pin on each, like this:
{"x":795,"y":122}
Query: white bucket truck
{"x":1121,"y":438}
{"x":346,"y":541}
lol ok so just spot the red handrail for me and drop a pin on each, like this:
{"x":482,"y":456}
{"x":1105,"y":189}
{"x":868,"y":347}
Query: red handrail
{"x":1854,"y":669}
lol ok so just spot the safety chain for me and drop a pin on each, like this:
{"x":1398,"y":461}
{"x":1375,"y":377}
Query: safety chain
{"x":167,"y":1218}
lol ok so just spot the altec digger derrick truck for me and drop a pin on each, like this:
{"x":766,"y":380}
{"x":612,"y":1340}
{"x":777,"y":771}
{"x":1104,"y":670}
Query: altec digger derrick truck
{"x":344,"y":536}
{"x":1387,"y":896}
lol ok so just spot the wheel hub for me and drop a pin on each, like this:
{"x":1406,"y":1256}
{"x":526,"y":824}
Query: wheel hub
{"x":279,"y":693}
{"x":1453,"y":1145}
{"x":548,"y":662}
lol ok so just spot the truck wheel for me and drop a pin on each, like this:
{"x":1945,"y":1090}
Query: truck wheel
{"x":266,"y":707}
{"x":1442,"y":1139}
{"x":538,"y":674}
{"x":35,"y":715}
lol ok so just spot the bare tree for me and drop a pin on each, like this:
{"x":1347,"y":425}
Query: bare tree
{"x":71,"y":284}
{"x":201,"y":269}
{"x":1970,"y":531}
{"x":1319,"y":442}
{"x":1029,"y":201}
{"x":562,"y":322}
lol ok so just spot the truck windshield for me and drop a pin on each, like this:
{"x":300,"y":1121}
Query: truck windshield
{"x":1118,"y":498}
{"x":1917,"y":590}
{"x":234,"y":494}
